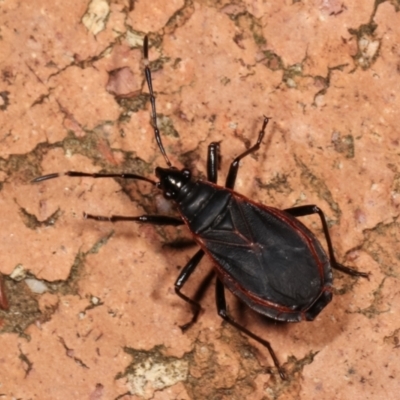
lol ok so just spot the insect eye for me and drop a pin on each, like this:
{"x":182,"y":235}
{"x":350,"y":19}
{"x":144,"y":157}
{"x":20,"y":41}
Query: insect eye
{"x":186,"y":173}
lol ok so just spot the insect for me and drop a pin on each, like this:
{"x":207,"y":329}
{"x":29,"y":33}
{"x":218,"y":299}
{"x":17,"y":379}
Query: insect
{"x":263,"y":255}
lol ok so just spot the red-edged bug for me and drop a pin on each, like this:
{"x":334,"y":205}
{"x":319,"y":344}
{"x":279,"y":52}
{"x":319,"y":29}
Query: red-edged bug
{"x":265,"y":256}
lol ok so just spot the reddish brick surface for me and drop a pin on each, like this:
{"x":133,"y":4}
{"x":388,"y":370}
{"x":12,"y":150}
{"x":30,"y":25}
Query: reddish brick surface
{"x":327,"y":72}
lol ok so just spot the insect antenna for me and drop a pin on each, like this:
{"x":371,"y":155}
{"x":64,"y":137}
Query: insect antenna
{"x":156,"y":134}
{"x":147,"y":72}
{"x":93,"y":175}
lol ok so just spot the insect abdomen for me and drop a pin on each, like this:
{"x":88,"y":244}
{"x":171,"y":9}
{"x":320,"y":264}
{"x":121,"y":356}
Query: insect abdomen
{"x":252,"y":245}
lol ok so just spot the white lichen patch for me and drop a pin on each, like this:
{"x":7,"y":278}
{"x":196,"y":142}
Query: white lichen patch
{"x":369,"y":50}
{"x":96,"y":16}
{"x":36,"y":286}
{"x":134,"y":39}
{"x":19,"y":273}
{"x":150,"y":376}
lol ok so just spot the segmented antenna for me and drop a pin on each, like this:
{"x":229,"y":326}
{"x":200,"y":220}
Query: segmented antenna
{"x":153,"y":100}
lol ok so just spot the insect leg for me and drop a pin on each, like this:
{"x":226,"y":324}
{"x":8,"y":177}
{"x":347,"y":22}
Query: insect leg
{"x":222,"y":312}
{"x":93,"y":175}
{"x":147,"y":72}
{"x":313,"y":209}
{"x":182,"y":278}
{"x":144,"y":219}
{"x":233,"y":170}
{"x":213,"y":157}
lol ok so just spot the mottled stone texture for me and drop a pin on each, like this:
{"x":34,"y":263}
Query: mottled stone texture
{"x":103,"y":320}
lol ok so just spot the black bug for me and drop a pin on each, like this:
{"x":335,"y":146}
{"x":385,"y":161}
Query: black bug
{"x":265,"y":256}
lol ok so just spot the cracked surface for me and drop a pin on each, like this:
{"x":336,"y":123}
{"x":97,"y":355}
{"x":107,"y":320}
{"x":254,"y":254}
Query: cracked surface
{"x":91,"y":308}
